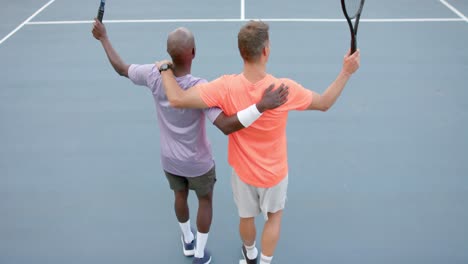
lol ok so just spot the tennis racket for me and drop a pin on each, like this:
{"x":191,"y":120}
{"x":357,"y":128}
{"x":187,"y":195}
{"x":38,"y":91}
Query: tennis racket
{"x":100,"y":14}
{"x":352,"y":11}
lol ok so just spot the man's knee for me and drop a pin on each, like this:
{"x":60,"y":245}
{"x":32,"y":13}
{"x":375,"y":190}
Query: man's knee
{"x":205,"y":198}
{"x":275,"y":217}
{"x":181,"y":195}
{"x":247,"y":220}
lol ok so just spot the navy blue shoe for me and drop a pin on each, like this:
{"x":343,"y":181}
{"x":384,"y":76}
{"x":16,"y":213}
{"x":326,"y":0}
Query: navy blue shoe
{"x":246,"y":259}
{"x":188,"y":248}
{"x":205,"y":260}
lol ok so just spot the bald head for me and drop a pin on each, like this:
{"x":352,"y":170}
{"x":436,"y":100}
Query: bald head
{"x":181,"y":45}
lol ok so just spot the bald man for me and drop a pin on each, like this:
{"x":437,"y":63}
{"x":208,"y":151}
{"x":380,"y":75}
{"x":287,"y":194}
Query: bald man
{"x":185,"y":151}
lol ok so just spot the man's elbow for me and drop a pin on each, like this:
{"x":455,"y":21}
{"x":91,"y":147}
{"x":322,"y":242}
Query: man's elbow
{"x":228,"y":130}
{"x":324,"y":108}
{"x":122,"y":71}
{"x":225,"y":129}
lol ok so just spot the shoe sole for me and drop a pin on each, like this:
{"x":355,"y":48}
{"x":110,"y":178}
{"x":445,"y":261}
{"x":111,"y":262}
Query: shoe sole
{"x":187,"y":253}
{"x":243,"y":261}
{"x":209,"y":261}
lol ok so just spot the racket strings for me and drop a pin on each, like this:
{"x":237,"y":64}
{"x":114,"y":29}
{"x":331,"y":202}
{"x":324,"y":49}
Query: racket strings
{"x":352,"y":7}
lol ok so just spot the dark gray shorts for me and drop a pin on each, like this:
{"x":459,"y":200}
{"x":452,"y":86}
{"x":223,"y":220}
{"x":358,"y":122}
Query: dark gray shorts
{"x":202,"y":185}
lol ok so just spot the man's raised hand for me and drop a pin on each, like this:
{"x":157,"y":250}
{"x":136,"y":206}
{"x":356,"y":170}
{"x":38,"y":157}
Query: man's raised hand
{"x":99,"y":30}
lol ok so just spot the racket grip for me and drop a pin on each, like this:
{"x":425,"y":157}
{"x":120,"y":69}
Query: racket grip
{"x":353,"y":45}
{"x":100,"y":15}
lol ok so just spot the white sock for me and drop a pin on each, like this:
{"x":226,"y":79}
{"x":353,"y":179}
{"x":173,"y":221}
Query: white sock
{"x":202,"y":238}
{"x":252,"y":251}
{"x":265,"y":260}
{"x":186,"y":231}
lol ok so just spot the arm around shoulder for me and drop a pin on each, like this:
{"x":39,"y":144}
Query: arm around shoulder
{"x":179,"y":98}
{"x":271,"y":99}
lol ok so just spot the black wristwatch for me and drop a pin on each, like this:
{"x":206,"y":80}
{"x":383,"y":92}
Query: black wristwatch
{"x":165,"y":67}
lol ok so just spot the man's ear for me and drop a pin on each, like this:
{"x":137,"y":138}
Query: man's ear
{"x":266,"y":50}
{"x":193,"y":53}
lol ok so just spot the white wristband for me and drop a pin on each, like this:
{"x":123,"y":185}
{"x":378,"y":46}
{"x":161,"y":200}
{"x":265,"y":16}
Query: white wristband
{"x":248,"y":115}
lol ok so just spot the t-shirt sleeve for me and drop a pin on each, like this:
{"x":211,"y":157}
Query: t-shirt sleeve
{"x":214,"y":93}
{"x":140,"y":74}
{"x":299,"y":98}
{"x":212,"y":113}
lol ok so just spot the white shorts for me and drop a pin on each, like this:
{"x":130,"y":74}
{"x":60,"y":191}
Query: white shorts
{"x":251,"y":200}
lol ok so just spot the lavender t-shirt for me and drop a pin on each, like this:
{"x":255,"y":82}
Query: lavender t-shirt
{"x":185,"y":149}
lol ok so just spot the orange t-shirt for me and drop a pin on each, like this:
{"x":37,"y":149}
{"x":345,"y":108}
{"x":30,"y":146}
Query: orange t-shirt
{"x":257,"y":153}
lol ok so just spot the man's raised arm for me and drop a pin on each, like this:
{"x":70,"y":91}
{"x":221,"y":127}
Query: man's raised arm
{"x":324,"y":101}
{"x":100,"y":33}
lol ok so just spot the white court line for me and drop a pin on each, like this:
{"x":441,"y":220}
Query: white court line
{"x":242,"y":16}
{"x":26,"y":21}
{"x":314,"y":20}
{"x":449,"y":6}
{"x":410,"y":20}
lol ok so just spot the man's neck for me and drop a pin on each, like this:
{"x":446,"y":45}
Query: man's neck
{"x":181,"y":70}
{"x":254,"y":72}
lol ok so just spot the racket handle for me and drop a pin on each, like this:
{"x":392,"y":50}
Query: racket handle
{"x":101,"y":11}
{"x":353,"y":45}
{"x":100,"y":15}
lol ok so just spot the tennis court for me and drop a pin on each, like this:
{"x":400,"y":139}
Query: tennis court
{"x":382,"y":177}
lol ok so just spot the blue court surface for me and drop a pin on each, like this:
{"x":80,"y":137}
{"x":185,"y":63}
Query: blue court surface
{"x":380,"y":178}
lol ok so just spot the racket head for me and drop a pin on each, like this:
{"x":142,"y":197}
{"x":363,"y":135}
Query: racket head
{"x":352,"y":11}
{"x":352,"y":8}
